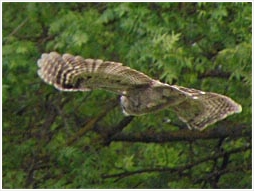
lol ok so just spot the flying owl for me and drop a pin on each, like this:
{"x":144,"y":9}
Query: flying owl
{"x":140,"y":94}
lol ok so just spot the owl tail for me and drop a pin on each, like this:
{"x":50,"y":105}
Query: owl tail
{"x":201,"y":109}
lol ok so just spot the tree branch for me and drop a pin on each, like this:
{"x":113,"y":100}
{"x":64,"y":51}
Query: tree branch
{"x":107,"y":134}
{"x":176,"y":169}
{"x":184,"y":135}
{"x":18,"y":27}
{"x":215,"y":73}
{"x":91,"y":123}
{"x":239,"y":168}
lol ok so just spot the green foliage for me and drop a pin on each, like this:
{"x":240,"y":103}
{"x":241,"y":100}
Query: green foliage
{"x":55,"y":139}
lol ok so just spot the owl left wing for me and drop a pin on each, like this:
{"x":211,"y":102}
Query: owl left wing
{"x":74,"y":73}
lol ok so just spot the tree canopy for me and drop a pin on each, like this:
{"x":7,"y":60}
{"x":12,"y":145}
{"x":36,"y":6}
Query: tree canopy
{"x":53,"y":139}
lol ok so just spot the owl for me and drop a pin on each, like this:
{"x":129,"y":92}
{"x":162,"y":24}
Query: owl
{"x":139,"y":94}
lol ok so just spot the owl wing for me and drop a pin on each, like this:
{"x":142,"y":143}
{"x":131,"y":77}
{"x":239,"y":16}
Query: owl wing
{"x":201,"y":109}
{"x":74,"y":73}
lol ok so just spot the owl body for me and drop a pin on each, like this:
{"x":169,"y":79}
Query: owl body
{"x":151,"y":98}
{"x":140,"y":94}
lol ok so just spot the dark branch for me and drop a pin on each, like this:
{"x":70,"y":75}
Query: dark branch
{"x":184,"y":135}
{"x":107,"y":134}
{"x":92,"y":122}
{"x":239,"y":168}
{"x":215,"y":73}
{"x":178,"y":169}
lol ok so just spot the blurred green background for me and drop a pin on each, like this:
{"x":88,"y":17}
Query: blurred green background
{"x":53,"y":139}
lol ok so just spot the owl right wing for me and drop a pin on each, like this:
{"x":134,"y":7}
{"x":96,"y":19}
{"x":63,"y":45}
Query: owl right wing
{"x":201,"y":109}
{"x":74,"y":73}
